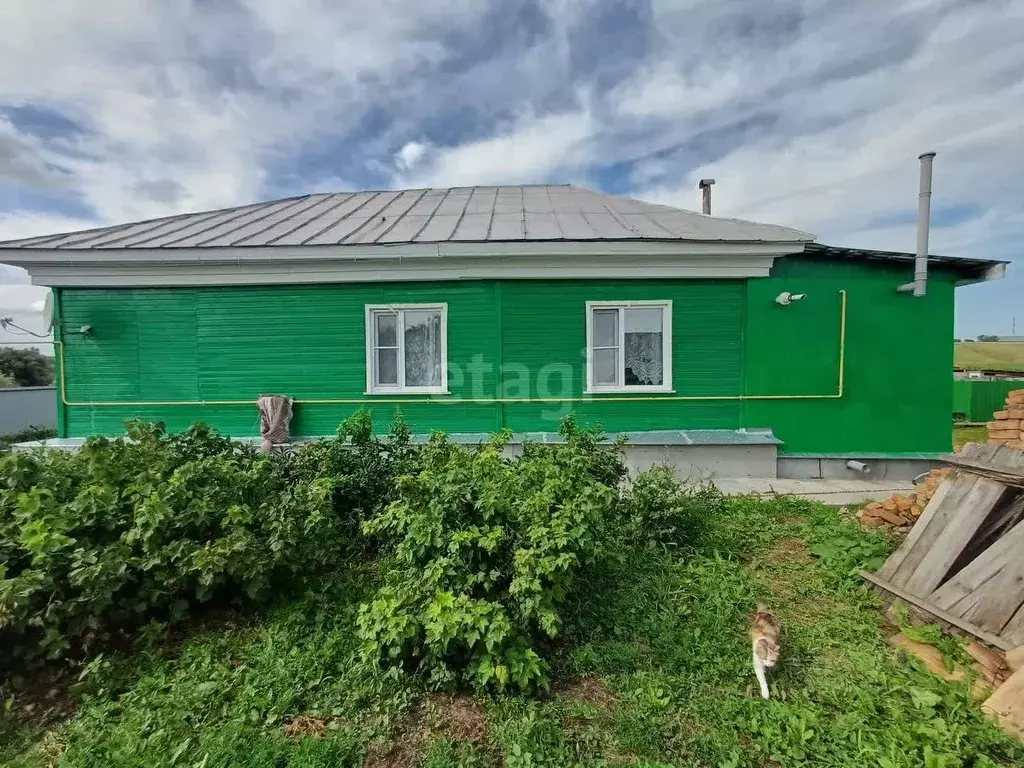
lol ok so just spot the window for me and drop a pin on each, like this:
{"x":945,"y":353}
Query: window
{"x":629,"y":346}
{"x":407,"y":348}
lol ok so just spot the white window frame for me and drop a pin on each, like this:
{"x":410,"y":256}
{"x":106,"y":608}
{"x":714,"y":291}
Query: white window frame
{"x":666,"y":347}
{"x":401,"y":388}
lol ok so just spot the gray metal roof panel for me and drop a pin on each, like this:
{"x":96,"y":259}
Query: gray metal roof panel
{"x":314,"y":226}
{"x":439,"y":228}
{"x":338,"y":230}
{"x":458,"y":214}
{"x":290,"y":227}
{"x":182,"y":227}
{"x":253,"y":230}
{"x":473,"y":227}
{"x":542,"y":226}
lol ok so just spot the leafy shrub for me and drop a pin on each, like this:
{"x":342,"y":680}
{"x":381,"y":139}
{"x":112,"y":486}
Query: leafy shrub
{"x":482,"y":550}
{"x":361,"y":469}
{"x":661,"y":510}
{"x":106,"y":537}
{"x":25,"y":435}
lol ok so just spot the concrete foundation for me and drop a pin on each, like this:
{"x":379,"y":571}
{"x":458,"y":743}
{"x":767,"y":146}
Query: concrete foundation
{"x":830,"y":491}
{"x":705,"y":461}
{"x":834,"y":467}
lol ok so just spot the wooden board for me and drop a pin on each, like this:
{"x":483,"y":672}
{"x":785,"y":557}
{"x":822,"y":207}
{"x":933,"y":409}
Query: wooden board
{"x":1007,"y":704}
{"x":942,"y":616}
{"x":982,"y":570}
{"x":1000,"y":598}
{"x":962,"y":520}
{"x":1000,"y":462}
{"x":1004,"y":517}
{"x":1014,"y":629}
{"x":925,"y":530}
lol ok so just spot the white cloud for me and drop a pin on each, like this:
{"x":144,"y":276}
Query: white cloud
{"x":808,"y":113}
{"x":196,"y":100}
{"x":409,"y":155}
{"x":532,"y":149}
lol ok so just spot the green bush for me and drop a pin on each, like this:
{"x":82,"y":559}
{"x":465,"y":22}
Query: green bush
{"x":25,"y":435}
{"x":481,"y":552}
{"x":361,"y":469}
{"x":661,"y":510}
{"x":102,"y":539}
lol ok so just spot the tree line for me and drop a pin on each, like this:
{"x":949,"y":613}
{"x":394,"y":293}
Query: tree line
{"x":25,"y":368}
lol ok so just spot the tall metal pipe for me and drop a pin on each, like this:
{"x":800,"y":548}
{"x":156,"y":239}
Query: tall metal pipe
{"x":705,"y":197}
{"x":924,"y":215}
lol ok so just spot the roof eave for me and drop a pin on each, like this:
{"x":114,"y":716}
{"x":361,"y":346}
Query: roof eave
{"x":128,"y":267}
{"x":970,"y":270}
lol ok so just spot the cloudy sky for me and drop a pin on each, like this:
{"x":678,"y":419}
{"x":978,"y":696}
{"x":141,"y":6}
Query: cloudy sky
{"x":809,"y":113}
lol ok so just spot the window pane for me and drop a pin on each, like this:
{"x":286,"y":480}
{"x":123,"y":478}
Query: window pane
{"x":423,"y":348}
{"x":643,"y":353}
{"x":605,"y":329}
{"x":606,"y":363}
{"x":386,"y":367}
{"x":387,"y":329}
{"x":643,"y":320}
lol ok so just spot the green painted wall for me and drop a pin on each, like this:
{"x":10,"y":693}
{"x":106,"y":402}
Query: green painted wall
{"x":545,"y":322}
{"x":238,"y":343}
{"x":525,"y":339}
{"x":899,"y":355}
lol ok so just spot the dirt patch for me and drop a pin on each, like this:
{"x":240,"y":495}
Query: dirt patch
{"x":436,"y":715}
{"x":404,"y":750}
{"x":789,"y":550}
{"x":306,"y":725}
{"x":590,"y":690}
{"x":458,"y":718}
{"x":44,"y":700}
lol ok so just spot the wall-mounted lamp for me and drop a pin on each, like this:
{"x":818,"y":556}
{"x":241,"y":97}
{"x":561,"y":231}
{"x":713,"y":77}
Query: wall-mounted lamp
{"x":786,"y":298}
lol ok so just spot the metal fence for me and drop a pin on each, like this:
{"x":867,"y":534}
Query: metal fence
{"x":977,"y":399}
{"x":22,"y":407}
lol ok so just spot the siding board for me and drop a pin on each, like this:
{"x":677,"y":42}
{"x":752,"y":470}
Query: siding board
{"x":730,"y":338}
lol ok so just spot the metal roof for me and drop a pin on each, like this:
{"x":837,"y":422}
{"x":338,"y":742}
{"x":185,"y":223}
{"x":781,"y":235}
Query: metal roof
{"x":973,"y":270}
{"x":457,"y":214}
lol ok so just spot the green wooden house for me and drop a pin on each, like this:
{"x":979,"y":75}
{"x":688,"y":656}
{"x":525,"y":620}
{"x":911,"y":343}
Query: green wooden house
{"x":744,"y":348}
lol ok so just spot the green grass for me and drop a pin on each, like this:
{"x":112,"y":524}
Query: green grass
{"x":964,"y":435}
{"x":652,"y":671}
{"x":989,"y":355}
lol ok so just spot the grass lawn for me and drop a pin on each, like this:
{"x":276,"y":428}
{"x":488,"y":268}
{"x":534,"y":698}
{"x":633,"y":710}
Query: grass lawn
{"x":964,"y":435}
{"x":654,"y":670}
{"x":990,"y":355}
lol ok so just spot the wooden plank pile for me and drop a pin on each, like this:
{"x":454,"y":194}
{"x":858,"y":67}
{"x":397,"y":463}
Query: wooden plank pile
{"x":1007,"y":425}
{"x":901,"y":511}
{"x":963,"y":562}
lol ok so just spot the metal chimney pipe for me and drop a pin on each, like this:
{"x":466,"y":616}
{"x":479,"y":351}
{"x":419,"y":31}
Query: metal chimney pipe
{"x":705,"y":187}
{"x":924,"y":215}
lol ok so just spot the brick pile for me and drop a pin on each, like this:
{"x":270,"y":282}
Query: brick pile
{"x":902,"y":510}
{"x":1007,"y":425}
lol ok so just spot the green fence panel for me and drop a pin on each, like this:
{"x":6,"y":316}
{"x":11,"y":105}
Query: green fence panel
{"x":978,"y":399}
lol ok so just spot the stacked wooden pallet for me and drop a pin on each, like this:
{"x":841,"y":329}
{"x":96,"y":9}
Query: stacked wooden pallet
{"x":962,"y":561}
{"x":1007,"y":425}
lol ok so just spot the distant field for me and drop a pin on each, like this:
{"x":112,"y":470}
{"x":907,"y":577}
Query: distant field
{"x":995,"y":355}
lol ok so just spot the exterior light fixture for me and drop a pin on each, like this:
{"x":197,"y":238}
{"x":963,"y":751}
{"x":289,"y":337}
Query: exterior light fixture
{"x":786,"y":298}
